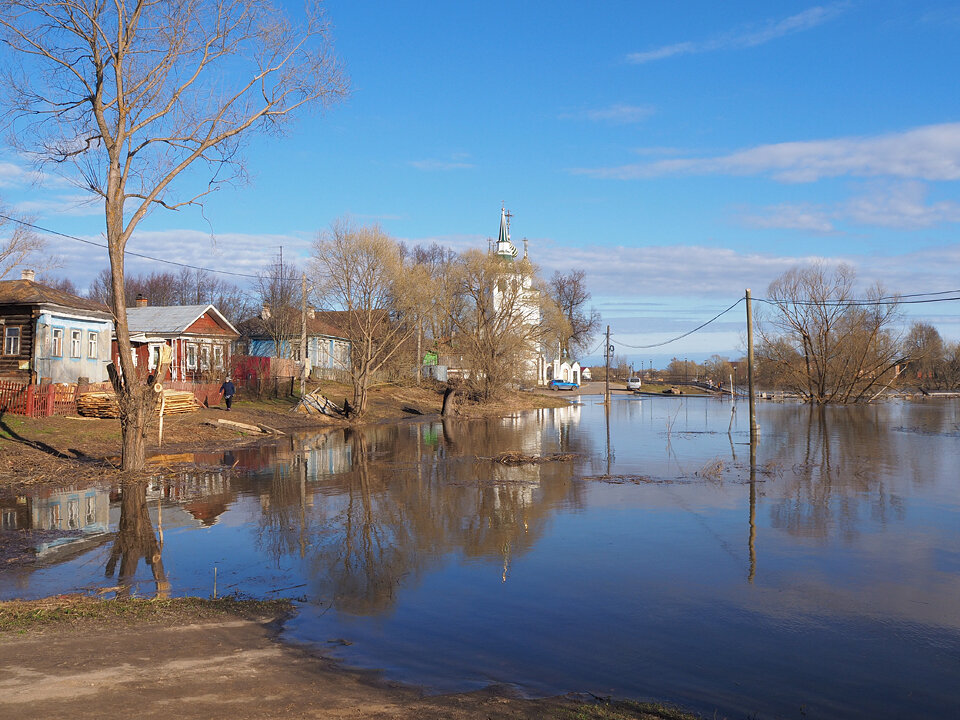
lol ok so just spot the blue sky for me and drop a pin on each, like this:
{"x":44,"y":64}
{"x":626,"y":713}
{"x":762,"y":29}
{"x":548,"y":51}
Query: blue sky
{"x":677,"y":152}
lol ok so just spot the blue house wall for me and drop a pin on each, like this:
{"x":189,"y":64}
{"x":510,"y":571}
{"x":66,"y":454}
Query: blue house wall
{"x":65,"y":367}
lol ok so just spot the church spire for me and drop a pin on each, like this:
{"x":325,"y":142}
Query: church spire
{"x":505,"y":248}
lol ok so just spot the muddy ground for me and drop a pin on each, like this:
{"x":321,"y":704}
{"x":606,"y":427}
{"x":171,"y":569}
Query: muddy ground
{"x":213,"y":664}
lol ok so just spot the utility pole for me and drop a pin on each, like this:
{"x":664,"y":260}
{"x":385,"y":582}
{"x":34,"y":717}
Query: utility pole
{"x":303,"y":333}
{"x":606,"y":375}
{"x":754,"y":428}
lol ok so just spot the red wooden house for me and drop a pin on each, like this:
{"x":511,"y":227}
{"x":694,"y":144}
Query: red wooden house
{"x":199,"y":336}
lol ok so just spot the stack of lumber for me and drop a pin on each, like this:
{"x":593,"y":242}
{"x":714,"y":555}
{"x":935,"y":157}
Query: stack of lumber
{"x":104,"y":404}
{"x":98,"y":404}
{"x":316,"y":404}
{"x":178,"y":401}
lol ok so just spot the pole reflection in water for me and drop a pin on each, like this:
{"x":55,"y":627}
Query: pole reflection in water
{"x":136,"y":540}
{"x":753,"y":509}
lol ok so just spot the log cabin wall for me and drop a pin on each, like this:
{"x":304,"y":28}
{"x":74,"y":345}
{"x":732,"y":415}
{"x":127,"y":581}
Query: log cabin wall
{"x":17,"y":367}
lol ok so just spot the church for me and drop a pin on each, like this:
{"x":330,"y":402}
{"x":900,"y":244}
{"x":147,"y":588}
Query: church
{"x":516,"y":288}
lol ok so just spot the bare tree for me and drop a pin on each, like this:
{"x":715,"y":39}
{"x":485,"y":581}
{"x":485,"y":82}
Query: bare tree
{"x":17,"y":243}
{"x":123,"y":97}
{"x":279,"y":293}
{"x":925,"y":351}
{"x":570,"y":294}
{"x":501,"y":316}
{"x":63,"y":284}
{"x":360,"y":271}
{"x":825,"y":344}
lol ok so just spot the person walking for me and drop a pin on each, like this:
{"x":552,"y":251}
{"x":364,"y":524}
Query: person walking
{"x":228,"y":390}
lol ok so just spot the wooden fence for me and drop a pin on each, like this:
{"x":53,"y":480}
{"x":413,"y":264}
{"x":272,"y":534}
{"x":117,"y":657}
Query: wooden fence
{"x":47,"y":400}
{"x":42,"y":400}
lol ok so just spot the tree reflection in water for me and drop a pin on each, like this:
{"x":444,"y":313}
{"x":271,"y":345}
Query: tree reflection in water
{"x":835,"y":460}
{"x":135,"y":540}
{"x":411,"y":496}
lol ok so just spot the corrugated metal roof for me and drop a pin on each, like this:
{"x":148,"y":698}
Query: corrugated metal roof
{"x":167,"y":318}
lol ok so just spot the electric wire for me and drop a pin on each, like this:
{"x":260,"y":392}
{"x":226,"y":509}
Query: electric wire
{"x":129,"y":252}
{"x":686,"y":334}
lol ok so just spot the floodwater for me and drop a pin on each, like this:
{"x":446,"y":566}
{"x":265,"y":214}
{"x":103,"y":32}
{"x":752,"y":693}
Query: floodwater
{"x":825,"y":583}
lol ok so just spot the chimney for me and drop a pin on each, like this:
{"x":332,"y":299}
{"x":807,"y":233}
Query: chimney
{"x":311,"y":312}
{"x":27,"y":274}
{"x":265,"y":313}
{"x":141,"y":301}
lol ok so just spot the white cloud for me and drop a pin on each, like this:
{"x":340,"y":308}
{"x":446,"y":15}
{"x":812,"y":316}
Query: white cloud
{"x":73,"y":205}
{"x":791,"y":217}
{"x":900,"y":206}
{"x":744,"y":37}
{"x":242,"y":253}
{"x":931,"y":152}
{"x":618,"y":113}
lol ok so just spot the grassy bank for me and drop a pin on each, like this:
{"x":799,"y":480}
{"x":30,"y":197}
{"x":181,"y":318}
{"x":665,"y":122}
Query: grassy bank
{"x":19,"y":616}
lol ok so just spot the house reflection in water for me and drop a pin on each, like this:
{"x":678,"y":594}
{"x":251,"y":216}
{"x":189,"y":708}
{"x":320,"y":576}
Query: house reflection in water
{"x":76,"y":513}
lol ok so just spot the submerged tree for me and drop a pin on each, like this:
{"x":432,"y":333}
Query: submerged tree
{"x":124,"y":97}
{"x":825,"y":344}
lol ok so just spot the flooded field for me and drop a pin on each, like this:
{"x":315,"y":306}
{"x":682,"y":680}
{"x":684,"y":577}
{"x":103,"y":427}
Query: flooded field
{"x":655,"y":564}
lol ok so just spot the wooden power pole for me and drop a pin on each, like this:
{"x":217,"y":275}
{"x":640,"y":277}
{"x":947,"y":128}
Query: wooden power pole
{"x":754,"y":427}
{"x":303,"y":333}
{"x":606,"y":375}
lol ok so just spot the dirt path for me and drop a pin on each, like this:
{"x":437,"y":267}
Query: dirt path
{"x":231,"y":668}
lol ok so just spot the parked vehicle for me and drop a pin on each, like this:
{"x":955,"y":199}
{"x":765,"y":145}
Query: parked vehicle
{"x":633,"y":383}
{"x":562,"y":385}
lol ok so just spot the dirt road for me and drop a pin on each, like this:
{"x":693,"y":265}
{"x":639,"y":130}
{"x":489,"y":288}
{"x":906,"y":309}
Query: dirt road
{"x":231,"y":668}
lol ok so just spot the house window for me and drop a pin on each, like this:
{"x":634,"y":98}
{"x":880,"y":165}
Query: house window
{"x":11,"y":340}
{"x":75,"y":343}
{"x":218,"y":357}
{"x":92,"y":346}
{"x":191,"y":357}
{"x":154,"y":357}
{"x":56,"y":342}
{"x":204,"y":358}
{"x":91,"y":510}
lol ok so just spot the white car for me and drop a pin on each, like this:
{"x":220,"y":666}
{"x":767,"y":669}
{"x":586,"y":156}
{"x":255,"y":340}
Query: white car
{"x":633,"y":383}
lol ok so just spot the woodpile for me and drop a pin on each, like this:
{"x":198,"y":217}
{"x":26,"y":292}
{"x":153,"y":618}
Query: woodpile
{"x":316,"y":404}
{"x":104,"y":404}
{"x":98,"y":404}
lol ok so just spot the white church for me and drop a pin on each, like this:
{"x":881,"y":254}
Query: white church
{"x":537,"y":366}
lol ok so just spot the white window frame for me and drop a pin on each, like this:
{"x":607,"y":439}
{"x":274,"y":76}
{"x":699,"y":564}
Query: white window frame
{"x":204,"y":357}
{"x":93,"y":345}
{"x":56,"y":342}
{"x":76,"y":343}
{"x":190,"y":351}
{"x":218,"y":357}
{"x":11,"y":339}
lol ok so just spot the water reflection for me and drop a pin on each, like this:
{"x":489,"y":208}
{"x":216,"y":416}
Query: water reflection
{"x":827,"y":556}
{"x":136,"y":540}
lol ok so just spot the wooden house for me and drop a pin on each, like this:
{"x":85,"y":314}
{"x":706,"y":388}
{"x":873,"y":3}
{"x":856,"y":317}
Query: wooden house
{"x":51,"y":336}
{"x":268,"y":336}
{"x":199,"y":336}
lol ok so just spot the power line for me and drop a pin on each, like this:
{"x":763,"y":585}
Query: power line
{"x":691,"y":332}
{"x":128,"y":252}
{"x":863,"y":303}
